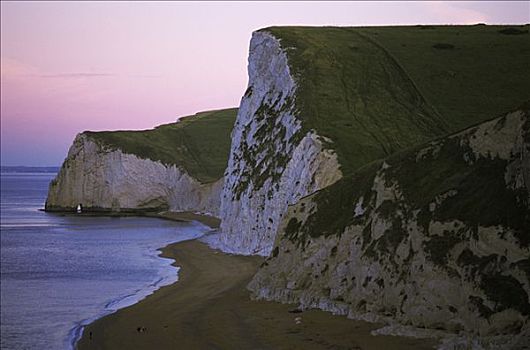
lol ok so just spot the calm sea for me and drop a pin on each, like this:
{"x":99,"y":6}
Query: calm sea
{"x":58,"y":273}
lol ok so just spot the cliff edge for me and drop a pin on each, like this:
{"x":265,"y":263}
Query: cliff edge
{"x":176,"y":166}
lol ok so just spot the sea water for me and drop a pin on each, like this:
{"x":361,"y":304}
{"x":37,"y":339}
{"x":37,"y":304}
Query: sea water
{"x":59,"y":273}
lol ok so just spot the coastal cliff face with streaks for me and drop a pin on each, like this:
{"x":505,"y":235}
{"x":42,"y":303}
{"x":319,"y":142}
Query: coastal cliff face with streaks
{"x":435,"y":238}
{"x":107,"y":179}
{"x":177,"y":166}
{"x":273,"y":162}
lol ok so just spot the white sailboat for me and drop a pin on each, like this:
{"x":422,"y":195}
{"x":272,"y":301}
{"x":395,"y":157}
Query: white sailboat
{"x":79,"y":208}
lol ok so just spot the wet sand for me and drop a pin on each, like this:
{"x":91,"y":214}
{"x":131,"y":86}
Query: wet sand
{"x":209,"y":308}
{"x":189,"y":216}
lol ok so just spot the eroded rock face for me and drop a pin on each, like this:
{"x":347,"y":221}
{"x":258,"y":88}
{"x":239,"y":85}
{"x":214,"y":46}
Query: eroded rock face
{"x":435,"y":238}
{"x":100,"y":178}
{"x":272,"y":163}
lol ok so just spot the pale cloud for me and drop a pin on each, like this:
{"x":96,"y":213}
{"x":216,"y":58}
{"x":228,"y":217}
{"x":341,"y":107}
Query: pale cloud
{"x":454,"y":13}
{"x":75,"y":75}
{"x":11,"y":67}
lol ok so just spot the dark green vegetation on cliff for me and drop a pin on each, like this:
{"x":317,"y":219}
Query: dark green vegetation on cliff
{"x":475,"y":186}
{"x":200,"y":144}
{"x":374,"y":91}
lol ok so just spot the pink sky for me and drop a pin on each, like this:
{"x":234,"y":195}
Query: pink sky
{"x":69,"y":67}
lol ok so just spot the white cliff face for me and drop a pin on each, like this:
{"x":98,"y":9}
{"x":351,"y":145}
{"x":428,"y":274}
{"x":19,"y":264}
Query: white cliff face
{"x":272,"y":163}
{"x":103,"y":179}
{"x":425,"y":269}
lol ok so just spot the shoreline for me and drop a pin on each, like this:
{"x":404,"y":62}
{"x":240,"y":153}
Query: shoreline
{"x":75,"y":333}
{"x":115,"y":304}
{"x":209,"y":307}
{"x":179,"y":216}
{"x":188,"y":216}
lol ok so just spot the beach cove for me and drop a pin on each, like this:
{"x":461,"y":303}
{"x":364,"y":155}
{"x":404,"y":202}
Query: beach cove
{"x":62,"y":271}
{"x":210,"y":308}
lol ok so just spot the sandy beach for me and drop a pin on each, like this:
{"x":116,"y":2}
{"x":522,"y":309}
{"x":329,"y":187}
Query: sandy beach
{"x":209,"y":308}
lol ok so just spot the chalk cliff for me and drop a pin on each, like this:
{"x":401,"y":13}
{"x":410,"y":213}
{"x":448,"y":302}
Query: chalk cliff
{"x":437,"y":237}
{"x":273,"y":162}
{"x":151,"y":170}
{"x":301,"y":126}
{"x":102,"y":179}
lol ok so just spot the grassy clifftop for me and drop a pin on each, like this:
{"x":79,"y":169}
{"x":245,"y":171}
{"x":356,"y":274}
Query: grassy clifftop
{"x":376,"y":90}
{"x":200,"y":143}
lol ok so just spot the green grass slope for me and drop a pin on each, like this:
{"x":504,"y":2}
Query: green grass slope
{"x":200,"y":143}
{"x":376,"y":90}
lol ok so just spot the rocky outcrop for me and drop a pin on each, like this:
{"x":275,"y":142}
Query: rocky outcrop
{"x":273,"y":162}
{"x":436,"y":238}
{"x":104,"y":178}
